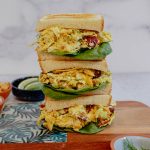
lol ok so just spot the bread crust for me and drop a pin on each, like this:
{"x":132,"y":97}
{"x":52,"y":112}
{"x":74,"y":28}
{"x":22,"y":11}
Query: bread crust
{"x":51,"y":104}
{"x":49,"y":65}
{"x":77,"y":21}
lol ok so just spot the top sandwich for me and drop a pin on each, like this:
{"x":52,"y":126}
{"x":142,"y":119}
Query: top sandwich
{"x":72,"y":36}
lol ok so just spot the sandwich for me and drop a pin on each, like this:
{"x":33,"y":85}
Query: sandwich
{"x":72,"y":37}
{"x":75,"y":78}
{"x":85,"y":115}
{"x":69,"y":83}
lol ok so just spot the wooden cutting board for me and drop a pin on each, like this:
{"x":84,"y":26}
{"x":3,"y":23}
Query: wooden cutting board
{"x":132,"y":118}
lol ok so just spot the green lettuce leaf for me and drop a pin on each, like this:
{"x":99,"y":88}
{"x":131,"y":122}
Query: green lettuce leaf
{"x":56,"y":94}
{"x":61,"y":53}
{"x":80,"y":91}
{"x":67,"y":94}
{"x":91,"y":128}
{"x":97,"y":53}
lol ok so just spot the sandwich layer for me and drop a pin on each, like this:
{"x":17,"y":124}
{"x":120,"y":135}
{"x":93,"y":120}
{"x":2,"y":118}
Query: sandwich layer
{"x":49,"y":65}
{"x":74,"y":82}
{"x":76,"y":21}
{"x":62,"y":35}
{"x":74,"y":43}
{"x":83,"y":118}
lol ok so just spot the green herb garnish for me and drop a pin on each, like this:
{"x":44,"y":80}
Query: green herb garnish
{"x":128,"y":145}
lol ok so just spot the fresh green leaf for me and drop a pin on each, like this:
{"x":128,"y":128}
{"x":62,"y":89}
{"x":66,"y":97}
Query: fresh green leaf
{"x":67,"y":94}
{"x":63,"y":53}
{"x":97,"y":53}
{"x":80,"y":91}
{"x":128,"y":145}
{"x":76,"y":91}
{"x":91,"y":128}
{"x":56,"y":94}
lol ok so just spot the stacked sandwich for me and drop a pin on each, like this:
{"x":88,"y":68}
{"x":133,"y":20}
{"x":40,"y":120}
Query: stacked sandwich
{"x":76,"y":81}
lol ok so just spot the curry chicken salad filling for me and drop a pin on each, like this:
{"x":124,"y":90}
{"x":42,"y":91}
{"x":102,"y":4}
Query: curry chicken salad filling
{"x":75,"y":78}
{"x":76,"y":117}
{"x":63,"y":41}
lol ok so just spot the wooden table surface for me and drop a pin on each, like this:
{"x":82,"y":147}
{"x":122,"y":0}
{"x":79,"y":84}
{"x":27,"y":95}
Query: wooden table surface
{"x":96,"y":141}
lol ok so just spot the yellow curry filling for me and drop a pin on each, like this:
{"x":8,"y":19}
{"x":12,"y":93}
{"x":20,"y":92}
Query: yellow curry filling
{"x":76,"y":117}
{"x":69,"y":40}
{"x":75,"y":78}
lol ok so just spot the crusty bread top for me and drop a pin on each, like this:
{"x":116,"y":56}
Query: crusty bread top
{"x":76,"y":21}
{"x":104,"y":100}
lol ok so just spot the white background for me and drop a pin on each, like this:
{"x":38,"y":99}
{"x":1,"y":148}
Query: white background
{"x":127,"y":20}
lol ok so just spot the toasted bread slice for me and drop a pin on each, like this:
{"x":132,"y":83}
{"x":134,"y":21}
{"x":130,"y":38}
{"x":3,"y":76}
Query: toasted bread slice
{"x":76,"y":21}
{"x":51,"y":104}
{"x":49,"y":65}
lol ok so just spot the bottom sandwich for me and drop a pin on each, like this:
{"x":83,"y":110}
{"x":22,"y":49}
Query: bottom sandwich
{"x":86,"y":119}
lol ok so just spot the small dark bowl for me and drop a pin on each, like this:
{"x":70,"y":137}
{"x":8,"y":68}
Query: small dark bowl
{"x":26,"y":95}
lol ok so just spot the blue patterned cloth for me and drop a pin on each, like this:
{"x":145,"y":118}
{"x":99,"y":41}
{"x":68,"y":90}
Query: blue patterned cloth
{"x":18,"y":125}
